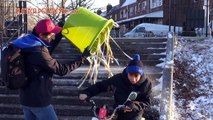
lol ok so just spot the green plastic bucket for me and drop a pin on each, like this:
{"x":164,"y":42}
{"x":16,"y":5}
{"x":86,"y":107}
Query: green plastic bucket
{"x":85,"y":28}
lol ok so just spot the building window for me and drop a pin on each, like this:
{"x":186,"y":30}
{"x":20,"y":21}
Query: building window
{"x":139,"y":7}
{"x":116,"y":17}
{"x":127,"y":12}
{"x":160,"y":2}
{"x":155,"y":3}
{"x":135,"y":9}
{"x":124,"y":13}
{"x":143,"y":5}
{"x":121,"y":14}
{"x":131,"y":11}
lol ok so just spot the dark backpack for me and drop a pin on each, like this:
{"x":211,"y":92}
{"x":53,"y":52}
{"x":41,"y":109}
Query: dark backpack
{"x":13,"y":69}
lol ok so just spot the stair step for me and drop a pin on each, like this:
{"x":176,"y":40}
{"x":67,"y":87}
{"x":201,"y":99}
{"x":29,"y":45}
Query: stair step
{"x":118,"y":40}
{"x":116,"y":52}
{"x":124,"y":47}
{"x":142,"y":50}
{"x":57,"y":90}
{"x":21,"y":117}
{"x":77,"y":76}
{"x":61,"y":110}
{"x":103,"y":74}
{"x":75,"y":82}
{"x":59,"y":100}
{"x":115,"y":69}
{"x":11,"y":117}
{"x":143,"y":57}
{"x":137,"y":40}
{"x":122,"y":62}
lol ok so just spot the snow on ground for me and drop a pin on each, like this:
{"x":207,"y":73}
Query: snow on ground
{"x":193,"y":79}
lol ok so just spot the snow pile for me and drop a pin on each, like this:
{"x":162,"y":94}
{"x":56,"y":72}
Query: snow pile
{"x":194,"y":79}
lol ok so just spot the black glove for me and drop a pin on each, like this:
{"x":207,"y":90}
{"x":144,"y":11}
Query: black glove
{"x":134,"y":105}
{"x":86,"y":53}
{"x":60,"y":23}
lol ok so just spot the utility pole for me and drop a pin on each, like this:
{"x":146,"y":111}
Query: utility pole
{"x":206,"y":19}
{"x":20,"y":16}
{"x":48,"y":8}
{"x":63,"y":15}
{"x":170,"y":6}
{"x":25,"y":17}
{"x":174,"y":21}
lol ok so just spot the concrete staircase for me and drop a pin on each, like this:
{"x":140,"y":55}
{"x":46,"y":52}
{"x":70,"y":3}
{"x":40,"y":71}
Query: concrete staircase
{"x":65,"y":99}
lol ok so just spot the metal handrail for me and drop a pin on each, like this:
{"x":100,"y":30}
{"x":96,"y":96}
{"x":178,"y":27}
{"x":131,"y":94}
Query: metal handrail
{"x":17,"y":31}
{"x":166,"y":107}
{"x":9,"y":24}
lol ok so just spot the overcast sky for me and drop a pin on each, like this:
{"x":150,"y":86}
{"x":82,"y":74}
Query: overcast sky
{"x":103,"y":3}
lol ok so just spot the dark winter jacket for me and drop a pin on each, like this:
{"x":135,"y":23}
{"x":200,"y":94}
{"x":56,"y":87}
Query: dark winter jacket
{"x":123,"y":88}
{"x":40,"y":67}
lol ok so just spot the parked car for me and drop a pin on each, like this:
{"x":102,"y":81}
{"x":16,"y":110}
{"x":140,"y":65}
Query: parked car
{"x":150,"y":30}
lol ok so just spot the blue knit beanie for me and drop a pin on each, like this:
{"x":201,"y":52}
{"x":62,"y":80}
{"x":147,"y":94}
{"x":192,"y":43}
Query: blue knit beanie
{"x":135,"y":65}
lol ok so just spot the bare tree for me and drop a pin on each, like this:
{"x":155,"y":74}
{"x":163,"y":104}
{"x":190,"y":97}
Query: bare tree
{"x":7,"y":12}
{"x":68,"y":5}
{"x":72,"y":5}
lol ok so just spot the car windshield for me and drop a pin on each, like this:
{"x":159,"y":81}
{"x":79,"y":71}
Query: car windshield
{"x":140,"y":29}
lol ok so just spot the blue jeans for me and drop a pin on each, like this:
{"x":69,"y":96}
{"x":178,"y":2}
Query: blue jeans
{"x":39,"y":113}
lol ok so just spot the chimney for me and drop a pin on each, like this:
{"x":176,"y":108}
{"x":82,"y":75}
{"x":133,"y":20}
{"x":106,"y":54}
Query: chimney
{"x":109,"y":7}
{"x":99,"y":11}
{"x":121,"y":2}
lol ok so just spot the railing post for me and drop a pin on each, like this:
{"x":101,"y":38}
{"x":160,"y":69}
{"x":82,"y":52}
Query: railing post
{"x":1,"y":36}
{"x":166,"y":105}
{"x":20,"y":16}
{"x":25,"y":17}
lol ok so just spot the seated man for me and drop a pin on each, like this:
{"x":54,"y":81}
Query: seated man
{"x":131,"y":79}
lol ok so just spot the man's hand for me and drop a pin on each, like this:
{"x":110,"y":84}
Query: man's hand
{"x":83,"y":97}
{"x":133,"y":105}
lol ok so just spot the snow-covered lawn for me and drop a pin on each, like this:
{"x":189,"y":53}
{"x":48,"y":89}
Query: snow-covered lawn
{"x":193,"y":79}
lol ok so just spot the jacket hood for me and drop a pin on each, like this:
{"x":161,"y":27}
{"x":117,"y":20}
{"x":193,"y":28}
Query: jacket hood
{"x":28,"y":41}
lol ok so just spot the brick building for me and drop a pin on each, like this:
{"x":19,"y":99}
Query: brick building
{"x":130,"y":13}
{"x":186,"y":13}
{"x":211,"y":10}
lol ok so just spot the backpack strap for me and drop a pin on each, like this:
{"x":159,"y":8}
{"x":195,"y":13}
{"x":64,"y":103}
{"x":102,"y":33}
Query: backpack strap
{"x":32,"y":49}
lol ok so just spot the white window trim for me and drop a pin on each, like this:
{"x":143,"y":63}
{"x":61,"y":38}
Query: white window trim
{"x":139,"y":7}
{"x":116,"y":17}
{"x":121,"y":16}
{"x":155,"y":4}
{"x":143,"y":5}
